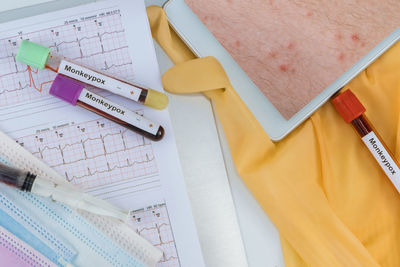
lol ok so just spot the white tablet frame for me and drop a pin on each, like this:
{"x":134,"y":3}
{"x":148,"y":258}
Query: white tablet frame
{"x":200,"y":40}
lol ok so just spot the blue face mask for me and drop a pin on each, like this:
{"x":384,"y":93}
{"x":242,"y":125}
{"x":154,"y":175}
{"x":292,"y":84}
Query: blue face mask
{"x":24,"y":235}
{"x":15,"y":252}
{"x":67,"y":235}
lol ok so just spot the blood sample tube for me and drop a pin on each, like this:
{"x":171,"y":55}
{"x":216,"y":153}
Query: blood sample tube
{"x":40,"y":57}
{"x":352,"y":111}
{"x":75,"y":93}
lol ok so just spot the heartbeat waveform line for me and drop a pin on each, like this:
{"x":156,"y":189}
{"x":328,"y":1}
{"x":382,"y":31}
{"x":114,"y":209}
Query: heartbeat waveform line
{"x":32,"y":81}
{"x":89,"y":44}
{"x":31,"y":84}
{"x":100,"y":53}
{"x":78,"y":41}
{"x":106,"y":67}
{"x":82,"y":142}
{"x":99,"y":156}
{"x":70,"y":42}
{"x":76,"y":58}
{"x":109,"y":169}
{"x":158,"y":228}
{"x":40,"y":88}
{"x":153,"y":223}
{"x":100,"y":146}
{"x":59,"y":26}
{"x":165,"y":259}
{"x":12,"y":56}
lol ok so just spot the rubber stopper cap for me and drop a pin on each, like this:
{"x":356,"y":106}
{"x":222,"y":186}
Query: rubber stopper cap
{"x":348,"y":106}
{"x":33,"y":54}
{"x":66,"y":89}
{"x":156,"y":99}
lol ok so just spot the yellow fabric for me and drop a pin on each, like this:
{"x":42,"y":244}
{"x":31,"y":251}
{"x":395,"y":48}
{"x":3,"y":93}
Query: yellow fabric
{"x":171,"y":43}
{"x":321,"y":187}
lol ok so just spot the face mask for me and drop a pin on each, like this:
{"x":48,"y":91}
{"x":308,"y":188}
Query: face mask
{"x":99,"y":240}
{"x":14,"y":252}
{"x":94,"y":248}
{"x":26,"y":228}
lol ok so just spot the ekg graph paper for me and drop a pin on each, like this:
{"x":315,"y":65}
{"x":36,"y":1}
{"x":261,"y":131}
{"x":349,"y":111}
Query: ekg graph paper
{"x":94,"y":153}
{"x":153,"y":224}
{"x":98,"y":155}
{"x":96,"y":41}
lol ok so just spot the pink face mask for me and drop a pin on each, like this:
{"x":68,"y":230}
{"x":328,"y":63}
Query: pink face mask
{"x":15,"y":252}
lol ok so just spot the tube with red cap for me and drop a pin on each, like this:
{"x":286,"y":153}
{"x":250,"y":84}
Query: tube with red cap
{"x":352,"y":111}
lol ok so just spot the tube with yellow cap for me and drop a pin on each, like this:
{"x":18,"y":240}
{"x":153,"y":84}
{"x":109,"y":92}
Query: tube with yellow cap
{"x":40,"y":57}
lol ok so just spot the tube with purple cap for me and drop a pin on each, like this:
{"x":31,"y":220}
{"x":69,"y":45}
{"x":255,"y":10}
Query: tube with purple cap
{"x":75,"y":93}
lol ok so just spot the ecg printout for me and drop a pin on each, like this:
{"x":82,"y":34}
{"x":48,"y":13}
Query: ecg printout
{"x":105,"y":159}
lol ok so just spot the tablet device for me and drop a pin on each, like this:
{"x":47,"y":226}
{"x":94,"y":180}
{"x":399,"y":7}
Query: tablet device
{"x":276,"y":62}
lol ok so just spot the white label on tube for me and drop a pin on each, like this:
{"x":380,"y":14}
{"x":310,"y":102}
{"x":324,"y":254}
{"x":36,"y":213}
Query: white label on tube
{"x":99,"y":80}
{"x":118,"y":111}
{"x":383,"y":158}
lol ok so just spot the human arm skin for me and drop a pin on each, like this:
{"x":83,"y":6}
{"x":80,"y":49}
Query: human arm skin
{"x":293,"y":50}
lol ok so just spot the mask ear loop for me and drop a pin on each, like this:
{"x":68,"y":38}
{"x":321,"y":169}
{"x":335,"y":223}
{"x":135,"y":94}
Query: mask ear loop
{"x":65,"y":252}
{"x":26,"y":161}
{"x":67,"y":223}
{"x":24,"y":232}
{"x":121,"y":233}
{"x":116,"y":230}
{"x":14,"y":251}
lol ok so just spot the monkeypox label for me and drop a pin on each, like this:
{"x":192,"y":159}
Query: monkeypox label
{"x":118,"y":111}
{"x":99,"y":80}
{"x":383,"y":158}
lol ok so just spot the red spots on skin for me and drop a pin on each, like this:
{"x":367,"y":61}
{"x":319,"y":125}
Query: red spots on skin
{"x":355,"y":37}
{"x":284,"y":67}
{"x":290,"y":45}
{"x":272,"y":54}
{"x":338,"y":36}
{"x":287,"y":69}
{"x":309,"y":13}
{"x":237,"y":43}
{"x":341,"y":57}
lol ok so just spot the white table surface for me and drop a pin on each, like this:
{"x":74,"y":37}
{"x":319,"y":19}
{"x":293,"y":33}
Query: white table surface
{"x":228,"y":218}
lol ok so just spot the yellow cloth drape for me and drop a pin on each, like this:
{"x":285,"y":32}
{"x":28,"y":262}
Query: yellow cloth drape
{"x":321,"y":187}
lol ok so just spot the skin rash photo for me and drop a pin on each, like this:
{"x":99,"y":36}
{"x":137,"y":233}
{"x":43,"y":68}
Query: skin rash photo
{"x":293,"y":62}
